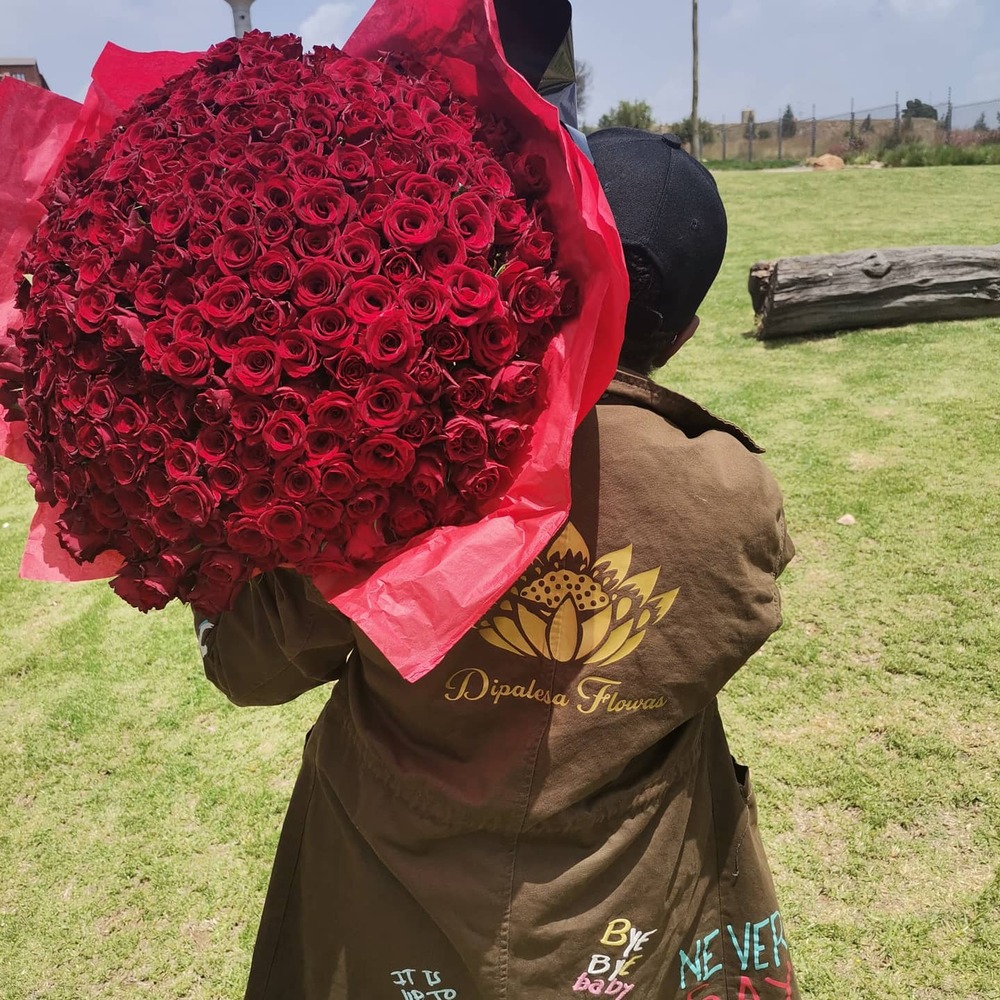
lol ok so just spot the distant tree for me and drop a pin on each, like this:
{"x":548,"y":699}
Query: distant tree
{"x":682,"y":129}
{"x":981,"y":125}
{"x":918,"y":109}
{"x":632,"y":114}
{"x":789,"y":126}
{"x":866,"y":125}
{"x":584,"y":77}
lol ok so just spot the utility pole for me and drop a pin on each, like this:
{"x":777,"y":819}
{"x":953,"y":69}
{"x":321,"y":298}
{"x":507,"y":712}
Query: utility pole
{"x":241,"y":16}
{"x":695,"y":129}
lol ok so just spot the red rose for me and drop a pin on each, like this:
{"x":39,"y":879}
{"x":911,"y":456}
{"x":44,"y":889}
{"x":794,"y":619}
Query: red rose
{"x":367,"y":298}
{"x":469,"y":391}
{"x":316,"y":241}
{"x":244,"y":534}
{"x":384,"y":402}
{"x":128,"y":419}
{"x":296,"y":482}
{"x":329,"y":327}
{"x":271,"y":317}
{"x":394,"y":158}
{"x":248,"y":416}
{"x":447,"y":343}
{"x":338,"y":479}
{"x":507,"y":437}
{"x":298,"y":353}
{"x":428,"y":476}
{"x":291,"y":400}
{"x":528,"y":173}
{"x":423,"y":425}
{"x":170,"y":216}
{"x":389,"y":340}
{"x":465,"y":439}
{"x":125,"y":464}
{"x":384,"y":459}
{"x":193,"y":501}
{"x":235,"y":251}
{"x":518,"y":382}
{"x":256,"y":494}
{"x":308,"y":168}
{"x":372,"y":207}
{"x":187,"y":361}
{"x":324,"y":515}
{"x":351,"y":165}
{"x":511,"y":220}
{"x":93,"y":307}
{"x":494,"y":177}
{"x":256,"y":368}
{"x":227,"y":303}
{"x":169,"y":524}
{"x":409,"y":517}
{"x":423,"y":188}
{"x":357,"y":249}
{"x":410,"y":224}
{"x":154,"y":440}
{"x":351,"y":369}
{"x":225,"y":478}
{"x":93,"y":439}
{"x":219,"y":572}
{"x":276,"y":227}
{"x":147,"y":593}
{"x":367,"y":506}
{"x":470,"y":217}
{"x":480,"y":485}
{"x":180,"y":459}
{"x":273,"y":191}
{"x":285,"y":435}
{"x":528,"y":292}
{"x":323,"y":203}
{"x":493,"y":343}
{"x":317,"y":284}
{"x":333,"y":411}
{"x":214,"y":444}
{"x":273,"y":273}
{"x":422,"y":301}
{"x":213,"y":405}
{"x":445,"y":249}
{"x":282,"y":522}
{"x":473,"y":297}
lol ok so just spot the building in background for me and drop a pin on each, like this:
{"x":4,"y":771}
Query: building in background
{"x":22,"y":69}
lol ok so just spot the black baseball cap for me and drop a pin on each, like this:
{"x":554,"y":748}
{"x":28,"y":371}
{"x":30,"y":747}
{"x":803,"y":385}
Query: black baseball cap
{"x":667,"y":206}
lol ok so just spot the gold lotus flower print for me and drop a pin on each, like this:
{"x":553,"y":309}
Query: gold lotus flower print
{"x":572,"y":608}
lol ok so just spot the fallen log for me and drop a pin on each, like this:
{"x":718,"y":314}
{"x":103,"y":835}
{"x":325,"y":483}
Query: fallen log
{"x":795,"y":296}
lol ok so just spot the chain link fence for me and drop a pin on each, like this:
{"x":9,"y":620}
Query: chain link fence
{"x":796,"y":135}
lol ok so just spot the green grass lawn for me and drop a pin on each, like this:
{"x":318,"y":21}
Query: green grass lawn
{"x":139,"y":811}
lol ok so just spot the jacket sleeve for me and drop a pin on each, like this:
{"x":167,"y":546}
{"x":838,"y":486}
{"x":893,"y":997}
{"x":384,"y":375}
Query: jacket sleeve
{"x":280,"y":639}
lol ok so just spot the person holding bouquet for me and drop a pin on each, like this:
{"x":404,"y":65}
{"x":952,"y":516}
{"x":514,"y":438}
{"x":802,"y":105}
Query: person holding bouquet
{"x":553,"y":808}
{"x":320,"y":343}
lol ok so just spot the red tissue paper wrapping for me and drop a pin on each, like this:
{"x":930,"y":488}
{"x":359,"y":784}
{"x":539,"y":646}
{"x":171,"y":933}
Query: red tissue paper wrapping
{"x":415,"y":606}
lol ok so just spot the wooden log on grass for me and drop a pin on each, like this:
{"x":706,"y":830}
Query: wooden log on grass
{"x":795,"y":296}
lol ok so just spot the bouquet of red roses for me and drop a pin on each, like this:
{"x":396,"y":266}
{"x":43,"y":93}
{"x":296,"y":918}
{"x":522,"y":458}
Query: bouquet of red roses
{"x":314,"y":310}
{"x":290,"y":310}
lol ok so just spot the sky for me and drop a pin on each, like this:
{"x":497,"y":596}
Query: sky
{"x":760,"y":54}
